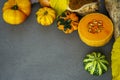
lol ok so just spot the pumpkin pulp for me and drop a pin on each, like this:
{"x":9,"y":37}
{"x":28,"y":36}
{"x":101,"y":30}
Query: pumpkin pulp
{"x":95,"y":26}
{"x":95,"y":29}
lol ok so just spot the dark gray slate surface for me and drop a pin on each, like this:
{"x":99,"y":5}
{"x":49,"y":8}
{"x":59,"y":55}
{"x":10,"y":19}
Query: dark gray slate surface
{"x":32,"y":52}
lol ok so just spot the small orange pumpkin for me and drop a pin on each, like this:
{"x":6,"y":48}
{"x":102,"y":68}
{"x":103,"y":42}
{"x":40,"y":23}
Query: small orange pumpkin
{"x":68,"y":22}
{"x":16,"y":11}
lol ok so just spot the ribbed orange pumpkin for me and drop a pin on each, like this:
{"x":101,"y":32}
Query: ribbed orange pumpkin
{"x":68,"y":22}
{"x":16,"y":11}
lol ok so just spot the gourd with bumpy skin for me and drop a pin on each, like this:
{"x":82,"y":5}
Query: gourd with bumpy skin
{"x":95,"y":29}
{"x":95,"y":63}
{"x":45,"y":16}
{"x":115,"y":58}
{"x":68,"y":22}
{"x":16,"y":11}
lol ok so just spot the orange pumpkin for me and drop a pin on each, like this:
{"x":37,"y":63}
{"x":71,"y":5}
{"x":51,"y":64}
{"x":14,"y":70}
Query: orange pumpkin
{"x":95,"y":29}
{"x":16,"y":11}
{"x":68,"y":22}
{"x":45,"y":3}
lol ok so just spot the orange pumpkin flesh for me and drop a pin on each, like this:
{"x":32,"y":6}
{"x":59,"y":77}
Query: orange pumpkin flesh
{"x":95,"y":35}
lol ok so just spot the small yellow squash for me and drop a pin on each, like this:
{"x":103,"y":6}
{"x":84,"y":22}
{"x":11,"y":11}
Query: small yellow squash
{"x":45,"y":16}
{"x":16,"y":11}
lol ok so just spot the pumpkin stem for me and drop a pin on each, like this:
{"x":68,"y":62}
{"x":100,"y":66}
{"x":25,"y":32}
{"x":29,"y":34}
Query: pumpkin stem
{"x":15,"y":7}
{"x":46,"y":12}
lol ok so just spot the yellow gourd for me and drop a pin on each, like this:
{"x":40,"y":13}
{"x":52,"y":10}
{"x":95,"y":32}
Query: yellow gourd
{"x":115,"y":58}
{"x":95,"y":29}
{"x":45,"y":16}
{"x":16,"y":11}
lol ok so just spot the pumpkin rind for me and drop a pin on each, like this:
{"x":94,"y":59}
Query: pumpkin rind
{"x":68,"y":22}
{"x":95,"y":63}
{"x":45,"y":16}
{"x":14,"y":20}
{"x":95,"y":39}
{"x":16,"y":15}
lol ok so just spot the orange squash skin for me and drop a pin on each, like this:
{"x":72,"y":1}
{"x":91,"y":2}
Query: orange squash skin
{"x":95,"y":39}
{"x":16,"y":11}
{"x":68,"y":22}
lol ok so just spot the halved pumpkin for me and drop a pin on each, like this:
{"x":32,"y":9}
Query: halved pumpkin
{"x":95,"y":29}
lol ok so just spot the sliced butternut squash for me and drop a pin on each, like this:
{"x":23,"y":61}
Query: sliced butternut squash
{"x":95,"y":29}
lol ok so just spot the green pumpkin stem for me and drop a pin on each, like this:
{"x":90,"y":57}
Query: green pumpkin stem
{"x":15,"y":7}
{"x":46,"y":12}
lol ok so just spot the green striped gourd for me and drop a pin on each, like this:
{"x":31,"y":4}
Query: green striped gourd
{"x":95,"y":63}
